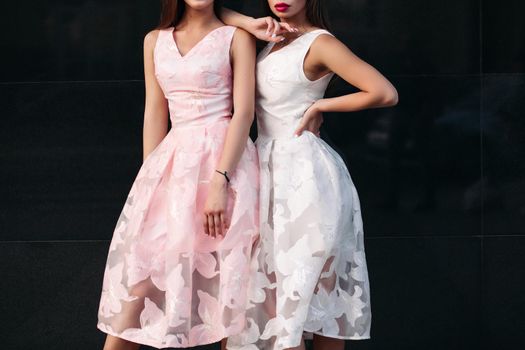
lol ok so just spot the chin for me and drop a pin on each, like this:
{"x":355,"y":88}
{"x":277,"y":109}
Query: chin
{"x":289,"y":8}
{"x":199,"y":4}
{"x":282,"y":15}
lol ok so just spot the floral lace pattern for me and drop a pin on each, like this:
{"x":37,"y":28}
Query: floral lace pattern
{"x":309,"y":273}
{"x":166,"y":283}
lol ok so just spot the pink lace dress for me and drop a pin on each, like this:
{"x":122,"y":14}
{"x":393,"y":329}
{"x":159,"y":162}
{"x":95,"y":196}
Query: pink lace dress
{"x":166,"y":283}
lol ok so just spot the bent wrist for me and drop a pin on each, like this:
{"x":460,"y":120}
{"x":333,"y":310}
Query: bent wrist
{"x":320,"y":106}
{"x":219,"y":180}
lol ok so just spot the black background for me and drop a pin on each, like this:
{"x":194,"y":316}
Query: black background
{"x":441,"y":176}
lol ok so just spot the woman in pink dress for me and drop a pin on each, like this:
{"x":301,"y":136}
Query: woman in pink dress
{"x":178,"y":263}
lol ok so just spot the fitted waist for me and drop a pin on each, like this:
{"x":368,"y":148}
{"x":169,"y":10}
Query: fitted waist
{"x":272,"y":128}
{"x":199,"y":123}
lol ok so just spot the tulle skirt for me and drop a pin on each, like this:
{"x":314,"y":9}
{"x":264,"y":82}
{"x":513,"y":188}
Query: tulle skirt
{"x":166,"y":283}
{"x":309,"y":273}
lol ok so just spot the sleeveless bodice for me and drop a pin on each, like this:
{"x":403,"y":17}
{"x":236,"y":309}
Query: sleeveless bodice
{"x":284,"y":92}
{"x":198,"y":85}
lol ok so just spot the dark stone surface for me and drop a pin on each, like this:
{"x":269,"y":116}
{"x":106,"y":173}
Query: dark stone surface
{"x":425,"y":293}
{"x":69,"y":156}
{"x":417,"y":166}
{"x":53,"y":290}
{"x":504,"y":154}
{"x":440,"y":177}
{"x":503,"y":36}
{"x":503,"y":293}
{"x":75,"y":40}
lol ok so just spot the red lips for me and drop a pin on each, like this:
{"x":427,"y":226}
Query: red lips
{"x":282,"y":7}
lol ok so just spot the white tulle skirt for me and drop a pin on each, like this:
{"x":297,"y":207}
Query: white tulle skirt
{"x":310,"y":272}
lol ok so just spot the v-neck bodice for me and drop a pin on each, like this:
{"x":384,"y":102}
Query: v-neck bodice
{"x":197,"y":44}
{"x":198,"y":85}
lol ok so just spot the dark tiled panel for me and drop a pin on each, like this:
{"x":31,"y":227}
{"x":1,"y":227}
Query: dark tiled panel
{"x":86,"y":40}
{"x":75,"y":40}
{"x":504,"y":154}
{"x":425,"y":294}
{"x":503,"y":293}
{"x":503,"y":36}
{"x":416,"y":166}
{"x":411,"y":37}
{"x":69,"y":156}
{"x":421,"y":289}
{"x":53,"y":291}
{"x":57,"y":287}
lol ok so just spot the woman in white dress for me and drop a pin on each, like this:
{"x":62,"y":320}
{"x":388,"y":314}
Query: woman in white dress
{"x":310,"y":273}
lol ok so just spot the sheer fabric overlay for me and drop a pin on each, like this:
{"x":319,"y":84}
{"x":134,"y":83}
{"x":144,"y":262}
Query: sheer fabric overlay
{"x":166,"y":283}
{"x":309,"y":272}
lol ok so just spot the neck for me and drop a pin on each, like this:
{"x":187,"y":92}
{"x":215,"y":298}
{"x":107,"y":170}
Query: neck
{"x":298,"y":21}
{"x":201,"y":18}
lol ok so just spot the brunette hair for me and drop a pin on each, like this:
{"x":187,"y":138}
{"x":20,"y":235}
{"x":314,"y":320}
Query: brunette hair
{"x":173,"y":10}
{"x":316,"y":13}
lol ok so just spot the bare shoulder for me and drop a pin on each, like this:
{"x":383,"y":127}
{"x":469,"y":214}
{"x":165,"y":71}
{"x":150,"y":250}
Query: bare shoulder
{"x":242,"y":37}
{"x":326,"y":42}
{"x":151,"y":39}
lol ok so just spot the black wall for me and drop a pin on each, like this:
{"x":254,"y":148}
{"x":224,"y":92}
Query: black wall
{"x":441,"y":176}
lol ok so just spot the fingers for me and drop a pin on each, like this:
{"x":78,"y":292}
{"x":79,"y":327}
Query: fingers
{"x":275,"y":33}
{"x":276,"y":28}
{"x":205,"y":224}
{"x":218,"y":224}
{"x":224,"y":222}
{"x":215,"y":224}
{"x":289,"y":28}
{"x":270,"y":24}
{"x":211,"y":226}
{"x":312,"y":126}
{"x":299,"y":131}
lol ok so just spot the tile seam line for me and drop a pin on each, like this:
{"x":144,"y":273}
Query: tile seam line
{"x":367,"y":238}
{"x":468,"y":75}
{"x":481,"y":297}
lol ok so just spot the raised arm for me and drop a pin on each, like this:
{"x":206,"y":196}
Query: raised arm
{"x":264,"y":28}
{"x":156,"y":106}
{"x":243,"y":60}
{"x":328,"y":54}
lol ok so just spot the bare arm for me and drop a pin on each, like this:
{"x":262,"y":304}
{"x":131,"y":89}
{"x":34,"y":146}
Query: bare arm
{"x":376,"y":90}
{"x":234,"y":18}
{"x":243,"y":58}
{"x":264,"y":28}
{"x":328,"y":54}
{"x":156,"y":106}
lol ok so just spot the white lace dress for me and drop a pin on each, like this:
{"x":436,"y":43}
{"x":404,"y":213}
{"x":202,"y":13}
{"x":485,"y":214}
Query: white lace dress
{"x":310,"y":273}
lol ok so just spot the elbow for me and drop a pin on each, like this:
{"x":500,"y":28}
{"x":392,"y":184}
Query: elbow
{"x":390,"y":97}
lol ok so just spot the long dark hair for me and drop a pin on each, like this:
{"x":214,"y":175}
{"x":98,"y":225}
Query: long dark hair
{"x":316,"y":13}
{"x":173,"y":10}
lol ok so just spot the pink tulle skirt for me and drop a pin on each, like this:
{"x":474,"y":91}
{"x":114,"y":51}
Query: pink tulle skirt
{"x":166,"y":283}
